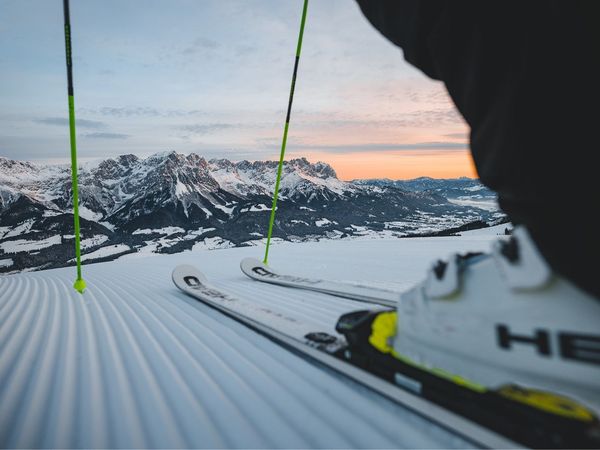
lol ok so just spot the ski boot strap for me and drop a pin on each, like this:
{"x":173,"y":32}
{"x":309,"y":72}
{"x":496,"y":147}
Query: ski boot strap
{"x":520,"y":262}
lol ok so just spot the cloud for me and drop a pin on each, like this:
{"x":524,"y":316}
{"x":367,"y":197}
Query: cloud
{"x":425,"y":118}
{"x":105,"y":136}
{"x":386,"y":147}
{"x":206,"y":128}
{"x":457,"y":135}
{"x":79,"y":123}
{"x":200,"y":44}
{"x":141,"y":111}
{"x":244,"y":49}
{"x":127,"y":111}
{"x":432,"y":95}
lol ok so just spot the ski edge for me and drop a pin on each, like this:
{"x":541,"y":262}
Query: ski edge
{"x":247,"y":265}
{"x":442,"y":417}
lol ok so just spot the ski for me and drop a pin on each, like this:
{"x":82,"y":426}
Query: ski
{"x":325,"y":348}
{"x":259,"y":271}
{"x":486,"y":417}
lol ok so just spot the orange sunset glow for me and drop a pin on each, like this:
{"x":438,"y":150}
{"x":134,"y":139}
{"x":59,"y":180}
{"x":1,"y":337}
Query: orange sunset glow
{"x":414,"y":130}
{"x":419,"y":134}
{"x":400,"y":165}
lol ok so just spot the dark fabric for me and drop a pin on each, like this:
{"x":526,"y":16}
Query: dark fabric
{"x":526,"y":77}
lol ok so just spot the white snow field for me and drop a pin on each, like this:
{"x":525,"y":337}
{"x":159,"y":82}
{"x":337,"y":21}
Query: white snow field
{"x":134,"y":363}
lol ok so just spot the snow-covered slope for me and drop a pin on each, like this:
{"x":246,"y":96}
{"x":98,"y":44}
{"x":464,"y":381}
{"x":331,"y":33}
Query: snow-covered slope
{"x":135,"y":363}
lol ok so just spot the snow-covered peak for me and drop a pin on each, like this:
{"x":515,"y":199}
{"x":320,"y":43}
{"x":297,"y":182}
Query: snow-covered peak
{"x":298,"y":177}
{"x":245,"y":178}
{"x":9,"y":165}
{"x":20,"y":172}
{"x":116,"y":184}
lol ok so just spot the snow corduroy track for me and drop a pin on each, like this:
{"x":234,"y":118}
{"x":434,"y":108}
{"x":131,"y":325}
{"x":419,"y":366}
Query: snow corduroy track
{"x":135,"y":363}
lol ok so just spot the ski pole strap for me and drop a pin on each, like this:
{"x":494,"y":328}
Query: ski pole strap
{"x":285,"y":131}
{"x":79,"y":284}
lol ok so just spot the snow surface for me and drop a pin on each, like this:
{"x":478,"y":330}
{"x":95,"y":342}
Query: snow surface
{"x":487,"y":204}
{"x":322,"y":222}
{"x":51,"y":213}
{"x":23,"y":245}
{"x":181,"y":189}
{"x":212,"y":243}
{"x":19,"y":229}
{"x":88,"y":214}
{"x":200,"y":231}
{"x":257,"y":208}
{"x":226,"y":209}
{"x":95,"y":240}
{"x":3,"y":231}
{"x":164,"y":230}
{"x":106,"y":251}
{"x":135,"y":363}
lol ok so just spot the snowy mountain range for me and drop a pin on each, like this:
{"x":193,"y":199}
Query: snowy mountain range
{"x":170,"y":202}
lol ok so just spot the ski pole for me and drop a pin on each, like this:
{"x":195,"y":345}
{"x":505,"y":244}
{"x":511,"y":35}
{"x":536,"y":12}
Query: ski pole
{"x":285,"y":130}
{"x":79,"y":284}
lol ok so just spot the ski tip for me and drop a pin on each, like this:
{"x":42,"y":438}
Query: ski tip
{"x":249,"y":264}
{"x":186,"y":270}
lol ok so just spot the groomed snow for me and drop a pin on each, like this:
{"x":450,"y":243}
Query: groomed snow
{"x":135,"y":363}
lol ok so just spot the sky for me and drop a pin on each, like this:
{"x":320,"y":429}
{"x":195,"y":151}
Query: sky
{"x":212,"y":77}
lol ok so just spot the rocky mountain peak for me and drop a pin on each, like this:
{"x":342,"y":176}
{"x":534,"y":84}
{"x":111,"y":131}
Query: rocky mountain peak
{"x":171,"y":202}
{"x":127,"y":160}
{"x":14,"y":168}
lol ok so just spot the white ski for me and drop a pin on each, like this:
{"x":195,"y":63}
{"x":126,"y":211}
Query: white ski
{"x":193,"y":282}
{"x":257,"y":270}
{"x":321,"y":347}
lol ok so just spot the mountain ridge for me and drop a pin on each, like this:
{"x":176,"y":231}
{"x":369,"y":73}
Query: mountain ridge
{"x":170,"y":202}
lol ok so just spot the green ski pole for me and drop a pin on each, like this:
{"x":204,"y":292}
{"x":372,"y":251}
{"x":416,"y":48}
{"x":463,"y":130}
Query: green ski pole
{"x":79,"y":284}
{"x":285,"y":131}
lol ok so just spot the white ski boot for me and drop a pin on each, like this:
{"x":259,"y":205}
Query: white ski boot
{"x":502,"y":328}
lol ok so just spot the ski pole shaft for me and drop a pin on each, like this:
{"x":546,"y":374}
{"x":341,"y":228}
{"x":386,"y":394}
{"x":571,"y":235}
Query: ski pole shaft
{"x":285,"y":131}
{"x":79,"y":284}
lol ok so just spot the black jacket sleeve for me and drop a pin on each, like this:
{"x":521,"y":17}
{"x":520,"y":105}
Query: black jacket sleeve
{"x":525,"y":75}
{"x":520,"y":72}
